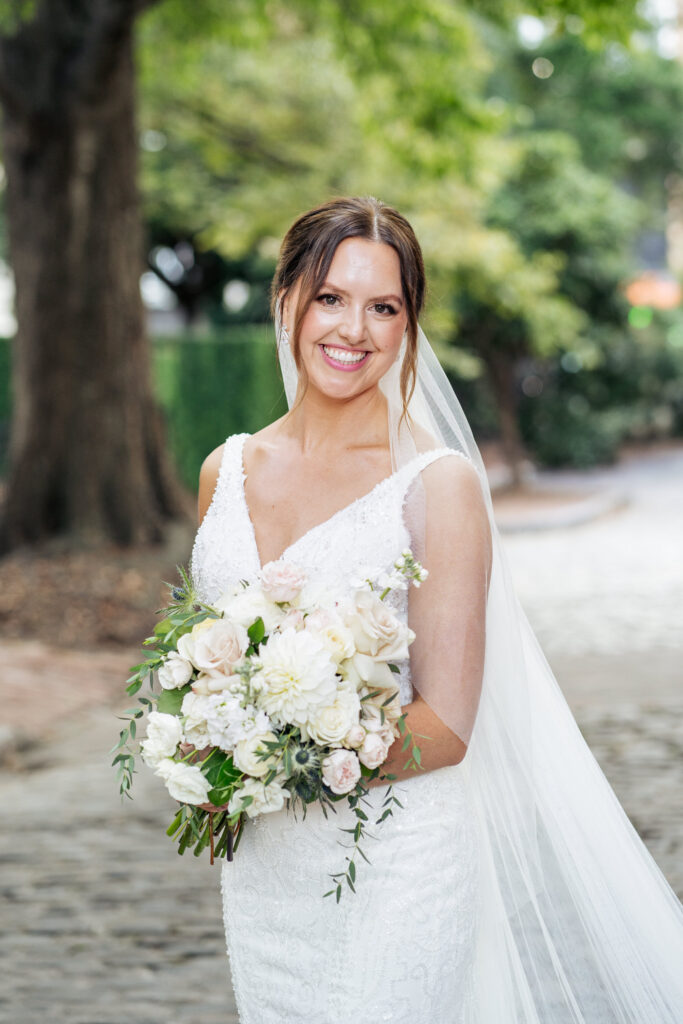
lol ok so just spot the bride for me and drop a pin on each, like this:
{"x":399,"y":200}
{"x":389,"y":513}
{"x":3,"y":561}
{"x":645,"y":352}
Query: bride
{"x":508,"y":887}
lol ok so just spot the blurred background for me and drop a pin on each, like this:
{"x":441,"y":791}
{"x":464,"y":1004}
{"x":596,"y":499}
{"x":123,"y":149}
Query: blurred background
{"x":152,"y":155}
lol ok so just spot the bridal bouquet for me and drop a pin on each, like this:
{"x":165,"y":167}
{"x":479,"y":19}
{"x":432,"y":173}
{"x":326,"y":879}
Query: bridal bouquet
{"x":280,"y":691}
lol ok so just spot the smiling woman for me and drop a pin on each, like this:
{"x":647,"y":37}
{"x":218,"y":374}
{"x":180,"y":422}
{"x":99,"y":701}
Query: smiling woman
{"x":509,"y":888}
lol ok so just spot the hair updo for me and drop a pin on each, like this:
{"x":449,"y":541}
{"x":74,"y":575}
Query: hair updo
{"x":309,"y":247}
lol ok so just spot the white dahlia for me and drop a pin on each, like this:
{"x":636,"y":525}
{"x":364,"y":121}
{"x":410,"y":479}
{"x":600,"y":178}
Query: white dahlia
{"x":298,"y":676}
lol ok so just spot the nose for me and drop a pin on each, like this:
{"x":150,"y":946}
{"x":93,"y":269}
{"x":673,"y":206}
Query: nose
{"x":352,"y":325}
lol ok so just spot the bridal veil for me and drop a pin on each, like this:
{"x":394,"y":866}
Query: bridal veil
{"x":577,"y":923}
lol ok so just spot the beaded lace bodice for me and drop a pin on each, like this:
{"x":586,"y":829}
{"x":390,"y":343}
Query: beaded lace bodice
{"x":359,"y":540}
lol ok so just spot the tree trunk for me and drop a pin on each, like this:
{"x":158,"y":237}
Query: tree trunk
{"x":88,"y":459}
{"x":501,"y":372}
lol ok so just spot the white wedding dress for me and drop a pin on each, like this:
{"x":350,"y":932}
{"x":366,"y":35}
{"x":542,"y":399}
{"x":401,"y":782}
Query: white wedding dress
{"x":401,"y":948}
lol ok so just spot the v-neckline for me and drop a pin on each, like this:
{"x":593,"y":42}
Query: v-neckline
{"x":317,"y":526}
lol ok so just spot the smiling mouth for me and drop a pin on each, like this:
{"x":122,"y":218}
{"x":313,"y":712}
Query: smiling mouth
{"x":343,"y":357}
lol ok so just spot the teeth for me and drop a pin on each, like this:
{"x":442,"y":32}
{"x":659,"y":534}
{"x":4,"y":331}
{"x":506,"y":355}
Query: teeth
{"x":340,"y":355}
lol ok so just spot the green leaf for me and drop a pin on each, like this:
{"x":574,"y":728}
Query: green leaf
{"x":394,"y":668}
{"x":170,"y":701}
{"x":352,"y":871}
{"x":257,"y":631}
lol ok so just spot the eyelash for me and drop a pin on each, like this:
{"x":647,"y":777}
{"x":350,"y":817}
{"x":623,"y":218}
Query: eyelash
{"x":330,"y":295}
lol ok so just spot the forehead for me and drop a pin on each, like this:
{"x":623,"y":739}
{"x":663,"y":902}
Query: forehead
{"x":364,"y":264}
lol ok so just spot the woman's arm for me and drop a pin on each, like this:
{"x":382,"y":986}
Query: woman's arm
{"x":448,"y":615}
{"x":208,"y":478}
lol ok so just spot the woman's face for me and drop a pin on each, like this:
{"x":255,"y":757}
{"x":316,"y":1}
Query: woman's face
{"x":352,"y":330}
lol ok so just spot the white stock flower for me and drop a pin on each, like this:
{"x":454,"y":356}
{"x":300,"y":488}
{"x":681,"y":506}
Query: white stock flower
{"x":228,"y":722}
{"x":214,"y":645}
{"x":377,"y":630}
{"x":329,"y":725}
{"x":184,"y":782}
{"x":244,"y":754}
{"x":174,"y":672}
{"x":374,"y":751}
{"x":265,"y":799}
{"x":341,"y":771}
{"x":282,"y":581}
{"x":247,"y":604}
{"x":164,"y":733}
{"x":298,"y":676}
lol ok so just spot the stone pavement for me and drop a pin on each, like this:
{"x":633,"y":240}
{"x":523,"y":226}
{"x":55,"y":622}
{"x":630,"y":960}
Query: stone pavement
{"x":101,"y":922}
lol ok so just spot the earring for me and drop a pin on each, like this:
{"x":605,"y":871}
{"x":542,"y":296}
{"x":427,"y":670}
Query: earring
{"x":284,"y":335}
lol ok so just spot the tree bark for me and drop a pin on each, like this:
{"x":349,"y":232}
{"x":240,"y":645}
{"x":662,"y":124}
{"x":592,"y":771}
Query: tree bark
{"x":88,"y":459}
{"x":501,"y":367}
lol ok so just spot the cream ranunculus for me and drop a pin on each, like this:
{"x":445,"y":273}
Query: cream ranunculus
{"x":164,"y":733}
{"x":374,"y":751}
{"x":329,"y":725}
{"x":377,"y":630}
{"x":246,"y":605}
{"x":184,"y":782}
{"x":214,"y":646}
{"x":282,"y":581}
{"x":244,"y":754}
{"x":341,"y":771}
{"x":297,"y":676}
{"x":174,"y":672}
{"x":265,"y":799}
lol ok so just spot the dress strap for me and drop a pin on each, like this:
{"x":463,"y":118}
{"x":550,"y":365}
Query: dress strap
{"x":408,"y":473}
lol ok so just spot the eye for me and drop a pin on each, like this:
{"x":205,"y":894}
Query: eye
{"x":322,"y":299}
{"x":384,"y":308}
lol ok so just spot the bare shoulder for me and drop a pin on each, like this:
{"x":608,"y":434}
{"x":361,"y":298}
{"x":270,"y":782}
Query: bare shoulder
{"x":456,"y":508}
{"x":208,"y":478}
{"x":454,"y":479}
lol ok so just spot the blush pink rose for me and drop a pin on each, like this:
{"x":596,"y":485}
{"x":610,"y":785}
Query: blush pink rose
{"x":374,"y":751}
{"x":341,"y":771}
{"x":282,"y":581}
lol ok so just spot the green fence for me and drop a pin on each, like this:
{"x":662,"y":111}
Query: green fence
{"x":208,"y":387}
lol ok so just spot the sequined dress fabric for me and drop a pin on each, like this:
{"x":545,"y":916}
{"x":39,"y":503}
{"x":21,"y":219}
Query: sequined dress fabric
{"x":401,"y":948}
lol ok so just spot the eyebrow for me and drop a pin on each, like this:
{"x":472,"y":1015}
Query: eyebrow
{"x":377,"y":298}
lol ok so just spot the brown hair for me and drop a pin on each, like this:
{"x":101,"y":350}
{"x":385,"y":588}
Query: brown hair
{"x":309,"y":247}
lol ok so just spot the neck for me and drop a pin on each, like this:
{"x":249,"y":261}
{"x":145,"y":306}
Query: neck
{"x":323,"y":424}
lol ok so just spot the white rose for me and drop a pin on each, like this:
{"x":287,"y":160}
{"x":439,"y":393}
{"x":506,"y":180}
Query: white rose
{"x":265,"y":798}
{"x":281,"y":581}
{"x":297,"y":676}
{"x":376,"y":630}
{"x":374,"y":751}
{"x":164,"y":733}
{"x":214,"y":645}
{"x":194,"y":710}
{"x":372,"y":706}
{"x":248,"y":604}
{"x":329,"y":725}
{"x":341,"y":771}
{"x":354,"y":737}
{"x":338,"y":639}
{"x":184,"y":782}
{"x":244,"y":754}
{"x":375,"y":674}
{"x":174,"y":672}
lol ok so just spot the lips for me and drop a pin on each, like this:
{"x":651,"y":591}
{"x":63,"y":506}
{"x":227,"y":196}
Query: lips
{"x":343,"y":358}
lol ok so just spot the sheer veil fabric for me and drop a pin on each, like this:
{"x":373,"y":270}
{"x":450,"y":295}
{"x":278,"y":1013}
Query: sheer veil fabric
{"x":577,"y":923}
